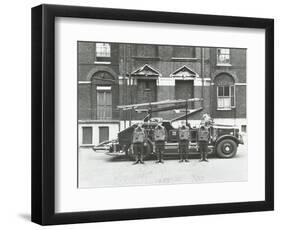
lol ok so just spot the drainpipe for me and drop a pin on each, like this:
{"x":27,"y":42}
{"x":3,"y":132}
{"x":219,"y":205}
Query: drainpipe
{"x":202,"y":76}
{"x":130,"y":84}
{"x":124,"y":85}
{"x":186,"y":121}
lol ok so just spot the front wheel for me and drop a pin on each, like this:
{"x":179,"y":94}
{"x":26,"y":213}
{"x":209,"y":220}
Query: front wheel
{"x":226,"y":148}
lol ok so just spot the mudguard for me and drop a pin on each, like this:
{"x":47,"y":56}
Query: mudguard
{"x":237,"y":141}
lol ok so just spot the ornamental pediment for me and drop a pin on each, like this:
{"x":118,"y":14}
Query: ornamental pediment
{"x":184,"y":72}
{"x":146,"y":71}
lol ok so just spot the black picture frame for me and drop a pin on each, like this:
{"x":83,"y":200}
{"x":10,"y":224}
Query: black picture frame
{"x":43,"y":114}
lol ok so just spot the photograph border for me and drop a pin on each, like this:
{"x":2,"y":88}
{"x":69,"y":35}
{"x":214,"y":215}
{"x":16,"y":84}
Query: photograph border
{"x":43,"y":114}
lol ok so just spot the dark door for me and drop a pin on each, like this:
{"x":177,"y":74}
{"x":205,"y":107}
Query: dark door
{"x":184,"y":89}
{"x":146,"y":90}
{"x":87,"y":134}
{"x":103,"y":134}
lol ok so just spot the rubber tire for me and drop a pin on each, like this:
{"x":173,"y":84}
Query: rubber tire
{"x":220,"y":146}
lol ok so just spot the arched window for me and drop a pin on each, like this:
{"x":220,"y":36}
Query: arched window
{"x":225,"y":91}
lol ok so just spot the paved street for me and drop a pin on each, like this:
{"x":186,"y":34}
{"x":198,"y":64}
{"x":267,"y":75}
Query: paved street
{"x":96,"y":169}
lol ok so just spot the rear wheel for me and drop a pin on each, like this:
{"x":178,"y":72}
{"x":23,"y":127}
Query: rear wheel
{"x":226,"y":148}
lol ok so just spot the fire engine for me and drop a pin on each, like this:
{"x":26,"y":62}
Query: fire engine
{"x":223,"y":142}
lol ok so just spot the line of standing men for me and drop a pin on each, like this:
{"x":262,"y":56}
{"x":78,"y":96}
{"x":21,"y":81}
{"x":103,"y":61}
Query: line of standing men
{"x":139,"y":140}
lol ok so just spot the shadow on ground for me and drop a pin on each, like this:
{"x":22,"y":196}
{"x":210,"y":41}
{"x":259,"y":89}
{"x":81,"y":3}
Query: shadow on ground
{"x":153,"y":158}
{"x":25,"y":216}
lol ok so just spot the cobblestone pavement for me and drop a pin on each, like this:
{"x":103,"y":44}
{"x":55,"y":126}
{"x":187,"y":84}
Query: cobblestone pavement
{"x":96,"y":169}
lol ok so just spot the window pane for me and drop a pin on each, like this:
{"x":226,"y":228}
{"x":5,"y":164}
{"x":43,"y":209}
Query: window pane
{"x":224,"y":102}
{"x":102,"y":50}
{"x":223,"y":56}
{"x":224,"y":51}
{"x":220,"y":102}
{"x":220,"y":91}
{"x":226,"y":91}
{"x":227,"y":102}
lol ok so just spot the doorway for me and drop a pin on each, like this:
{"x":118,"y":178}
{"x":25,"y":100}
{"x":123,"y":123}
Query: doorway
{"x":184,"y":89}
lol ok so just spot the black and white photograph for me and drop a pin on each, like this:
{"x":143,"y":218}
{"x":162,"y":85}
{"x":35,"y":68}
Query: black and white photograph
{"x":160,"y":114}
{"x":140,"y":114}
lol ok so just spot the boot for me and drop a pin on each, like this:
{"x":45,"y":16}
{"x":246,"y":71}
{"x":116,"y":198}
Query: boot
{"x":160,"y":159}
{"x":181,"y":159}
{"x":205,"y":157}
{"x":141,"y":160}
{"x":136,"y":162}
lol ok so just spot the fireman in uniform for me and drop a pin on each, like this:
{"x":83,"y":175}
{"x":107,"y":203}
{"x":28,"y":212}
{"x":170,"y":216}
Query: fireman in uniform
{"x":160,"y":136}
{"x":138,"y":141}
{"x":206,"y":120}
{"x":203,"y":139}
{"x":183,"y":139}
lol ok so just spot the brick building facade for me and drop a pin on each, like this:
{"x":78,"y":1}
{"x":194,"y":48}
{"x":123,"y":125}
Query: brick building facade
{"x":111,"y":74}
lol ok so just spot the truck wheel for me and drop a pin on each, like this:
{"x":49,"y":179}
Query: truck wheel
{"x":226,"y":148}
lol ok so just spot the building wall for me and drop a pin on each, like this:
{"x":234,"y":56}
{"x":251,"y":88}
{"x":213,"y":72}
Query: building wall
{"x":126,"y":58}
{"x":114,"y":128}
{"x":165,"y":62}
{"x":94,"y":73}
{"x":87,"y":60}
{"x":88,"y":68}
{"x":237,"y":70}
{"x":84,"y":101}
{"x":241,"y":100}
